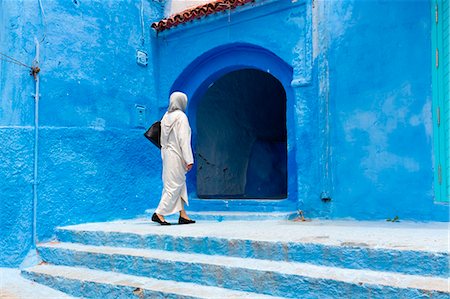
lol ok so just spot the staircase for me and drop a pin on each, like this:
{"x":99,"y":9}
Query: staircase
{"x":247,"y":259}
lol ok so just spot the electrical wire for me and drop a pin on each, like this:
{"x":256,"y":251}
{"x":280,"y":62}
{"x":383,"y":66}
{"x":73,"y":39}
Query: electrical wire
{"x":7,"y":58}
{"x":34,"y":70}
{"x":43,"y":20}
{"x":142,"y":24}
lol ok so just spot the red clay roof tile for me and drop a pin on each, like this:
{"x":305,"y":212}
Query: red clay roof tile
{"x":197,"y":12}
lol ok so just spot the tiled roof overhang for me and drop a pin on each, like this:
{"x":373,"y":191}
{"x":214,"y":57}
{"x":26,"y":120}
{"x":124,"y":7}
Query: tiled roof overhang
{"x":197,"y":12}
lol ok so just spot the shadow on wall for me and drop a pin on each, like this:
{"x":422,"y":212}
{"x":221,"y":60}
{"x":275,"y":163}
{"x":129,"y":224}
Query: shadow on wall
{"x":242,"y":138}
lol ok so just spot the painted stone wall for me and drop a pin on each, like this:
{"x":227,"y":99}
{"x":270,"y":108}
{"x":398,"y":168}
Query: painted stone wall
{"x":361,"y":83}
{"x":94,"y":163}
{"x":374,"y":70}
{"x":357,"y":77}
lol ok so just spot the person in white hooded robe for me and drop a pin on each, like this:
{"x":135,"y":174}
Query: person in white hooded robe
{"x":177,"y":157}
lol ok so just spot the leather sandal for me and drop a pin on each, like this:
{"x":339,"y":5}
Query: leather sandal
{"x":155,"y":218}
{"x":182,"y":220}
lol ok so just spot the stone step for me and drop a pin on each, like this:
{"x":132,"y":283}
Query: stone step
{"x":14,"y":286}
{"x":275,"y":278}
{"x":228,"y":216}
{"x":418,"y":249}
{"x":88,"y":283}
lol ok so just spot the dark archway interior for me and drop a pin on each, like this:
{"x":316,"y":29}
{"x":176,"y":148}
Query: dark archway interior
{"x":241,"y":149}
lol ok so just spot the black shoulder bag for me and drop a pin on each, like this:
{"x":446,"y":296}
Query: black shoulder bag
{"x":154,"y":134}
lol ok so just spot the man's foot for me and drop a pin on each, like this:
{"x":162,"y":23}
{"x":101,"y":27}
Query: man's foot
{"x":157,"y":218}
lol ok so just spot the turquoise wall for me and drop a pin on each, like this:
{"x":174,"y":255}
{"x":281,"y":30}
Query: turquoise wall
{"x":357,"y":78}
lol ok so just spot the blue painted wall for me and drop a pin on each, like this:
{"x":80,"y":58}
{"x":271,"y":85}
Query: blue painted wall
{"x":379,"y":100}
{"x":359,"y":92}
{"x":94,"y":163}
{"x":357,"y":78}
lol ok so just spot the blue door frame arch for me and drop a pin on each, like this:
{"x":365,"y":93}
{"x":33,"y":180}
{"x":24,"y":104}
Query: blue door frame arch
{"x":195,"y":80}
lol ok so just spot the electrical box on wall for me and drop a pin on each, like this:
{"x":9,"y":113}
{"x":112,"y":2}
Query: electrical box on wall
{"x":141,"y":58}
{"x":139,"y":115}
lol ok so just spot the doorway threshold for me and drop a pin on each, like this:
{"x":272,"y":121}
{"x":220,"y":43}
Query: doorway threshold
{"x":257,"y":206}
{"x":219,"y":216}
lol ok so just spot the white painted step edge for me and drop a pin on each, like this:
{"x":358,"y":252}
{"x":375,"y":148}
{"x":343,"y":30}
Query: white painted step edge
{"x":164,"y":286}
{"x":354,"y":276}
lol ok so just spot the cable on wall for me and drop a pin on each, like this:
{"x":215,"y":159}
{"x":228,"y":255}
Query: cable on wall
{"x":36,"y":139}
{"x":9,"y":59}
{"x":34,"y":70}
{"x":142,"y":23}
{"x":44,"y":21}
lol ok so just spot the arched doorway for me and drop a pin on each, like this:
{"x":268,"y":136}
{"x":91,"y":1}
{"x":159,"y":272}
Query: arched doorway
{"x":241,"y":144}
{"x":201,"y":75}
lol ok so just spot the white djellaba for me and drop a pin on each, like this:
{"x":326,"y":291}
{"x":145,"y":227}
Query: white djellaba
{"x":176,"y":153}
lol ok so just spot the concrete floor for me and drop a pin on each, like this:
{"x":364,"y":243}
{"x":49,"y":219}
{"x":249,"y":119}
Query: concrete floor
{"x":13,"y":286}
